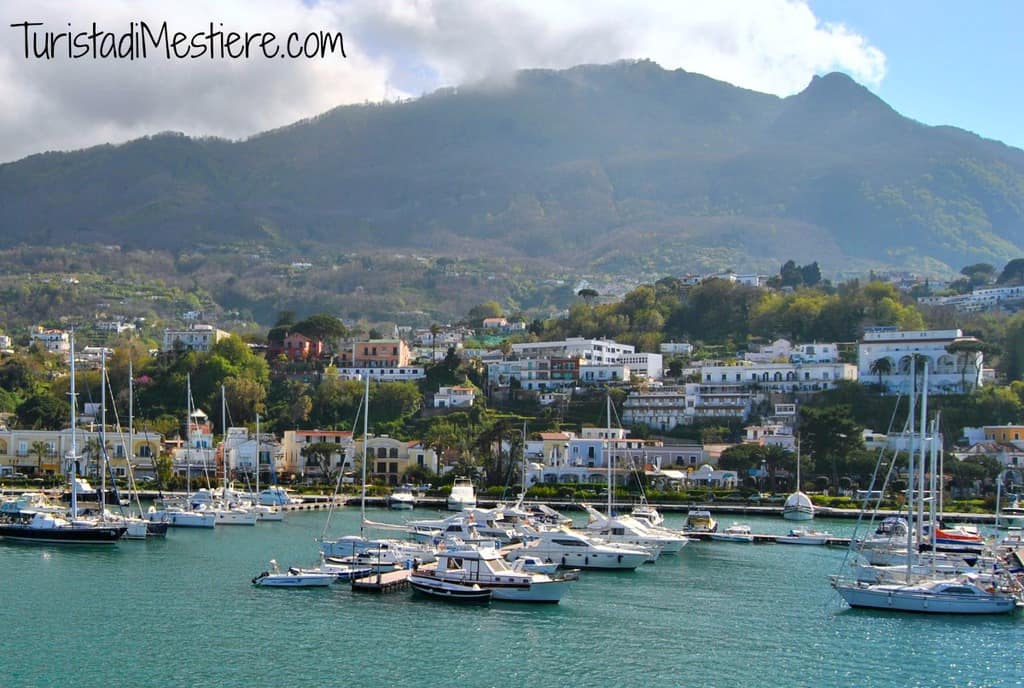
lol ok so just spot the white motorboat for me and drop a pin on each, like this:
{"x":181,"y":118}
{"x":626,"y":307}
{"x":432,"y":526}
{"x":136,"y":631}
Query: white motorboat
{"x":277,"y":496}
{"x":483,"y":567}
{"x":961,"y":595}
{"x":575,"y":550}
{"x":804,"y":536}
{"x":535,"y":565}
{"x":625,"y":530}
{"x":737,"y":532}
{"x":462,"y":496}
{"x":646,"y":513}
{"x":402,"y":498}
{"x":292,"y":578}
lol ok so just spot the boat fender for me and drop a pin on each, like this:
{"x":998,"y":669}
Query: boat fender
{"x":586,"y":560}
{"x":620,"y":558}
{"x":563,"y":561}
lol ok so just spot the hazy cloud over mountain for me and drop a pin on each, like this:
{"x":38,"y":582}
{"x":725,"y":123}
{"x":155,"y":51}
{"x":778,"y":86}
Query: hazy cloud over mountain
{"x":394,"y":49}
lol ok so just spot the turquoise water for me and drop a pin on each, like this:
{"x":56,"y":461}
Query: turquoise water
{"x":182,"y":612}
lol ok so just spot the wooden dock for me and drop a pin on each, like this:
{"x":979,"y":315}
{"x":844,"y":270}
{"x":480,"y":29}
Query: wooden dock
{"x":388,"y":581}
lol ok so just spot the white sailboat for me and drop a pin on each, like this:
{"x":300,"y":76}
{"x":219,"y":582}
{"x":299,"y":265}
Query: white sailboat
{"x":798,"y":506}
{"x":184,"y":514}
{"x":358,"y":551}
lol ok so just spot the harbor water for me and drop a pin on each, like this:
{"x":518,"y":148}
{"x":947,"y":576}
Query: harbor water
{"x":183,"y":612}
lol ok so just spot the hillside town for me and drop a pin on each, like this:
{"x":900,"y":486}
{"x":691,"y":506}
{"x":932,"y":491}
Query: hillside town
{"x":759,"y":391}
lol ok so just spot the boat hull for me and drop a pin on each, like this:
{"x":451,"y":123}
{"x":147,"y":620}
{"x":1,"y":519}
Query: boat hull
{"x":893,"y":598}
{"x":450,"y":592}
{"x":72,"y":535}
{"x":288,"y":580}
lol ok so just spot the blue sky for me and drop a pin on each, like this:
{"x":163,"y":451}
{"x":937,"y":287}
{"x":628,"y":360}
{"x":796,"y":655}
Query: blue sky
{"x":939,"y":62}
{"x":956,"y":63}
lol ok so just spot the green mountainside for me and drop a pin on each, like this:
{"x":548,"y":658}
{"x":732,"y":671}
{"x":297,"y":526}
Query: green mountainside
{"x":624,"y":168}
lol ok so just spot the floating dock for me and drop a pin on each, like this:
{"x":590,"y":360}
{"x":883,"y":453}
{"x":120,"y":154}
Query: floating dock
{"x":764,"y":539}
{"x":389,"y":581}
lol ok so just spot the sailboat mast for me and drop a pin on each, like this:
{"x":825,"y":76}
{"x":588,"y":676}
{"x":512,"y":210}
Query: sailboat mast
{"x":74,"y":436}
{"x":924,"y":447}
{"x":224,"y":443}
{"x":910,"y":468}
{"x":257,"y":456}
{"x":366,"y":429}
{"x":103,"y":430}
{"x":188,"y":436}
{"x":608,"y":457}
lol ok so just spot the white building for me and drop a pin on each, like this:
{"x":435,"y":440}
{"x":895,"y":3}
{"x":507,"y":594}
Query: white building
{"x":606,"y":373}
{"x":533,"y":374}
{"x":460,"y":396}
{"x":396,"y":374}
{"x":196,"y":338}
{"x":677,"y":348}
{"x":54,"y":341}
{"x":646,"y":365}
{"x":596,"y":351}
{"x":947,"y":372}
{"x":979,"y":299}
{"x":794,"y":376}
{"x":784,"y":350}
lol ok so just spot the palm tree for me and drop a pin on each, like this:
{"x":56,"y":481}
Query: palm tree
{"x":39,"y":449}
{"x":966,"y":350}
{"x":881,"y":366}
{"x":435,"y":330}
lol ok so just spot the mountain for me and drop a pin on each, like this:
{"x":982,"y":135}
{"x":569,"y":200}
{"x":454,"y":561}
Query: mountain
{"x":622,"y":168}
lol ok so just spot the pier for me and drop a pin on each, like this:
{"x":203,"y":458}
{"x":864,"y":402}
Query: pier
{"x":766,"y":539}
{"x":389,"y":581}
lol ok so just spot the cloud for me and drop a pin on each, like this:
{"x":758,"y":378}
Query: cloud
{"x":395,"y":48}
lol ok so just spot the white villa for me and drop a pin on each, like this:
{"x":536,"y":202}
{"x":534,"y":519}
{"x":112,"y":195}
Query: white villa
{"x":947,"y":372}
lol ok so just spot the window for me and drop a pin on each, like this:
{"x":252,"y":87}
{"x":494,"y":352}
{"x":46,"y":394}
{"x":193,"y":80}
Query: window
{"x":393,"y":453}
{"x":382,"y":466}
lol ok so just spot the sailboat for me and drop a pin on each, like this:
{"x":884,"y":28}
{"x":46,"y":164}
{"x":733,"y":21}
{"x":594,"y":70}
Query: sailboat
{"x":798,"y":506}
{"x":930,"y":592}
{"x":32,"y":525}
{"x":358,"y":550}
{"x":185,"y":515}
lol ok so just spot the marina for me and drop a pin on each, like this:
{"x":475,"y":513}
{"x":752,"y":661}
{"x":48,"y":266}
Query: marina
{"x":776,"y":598}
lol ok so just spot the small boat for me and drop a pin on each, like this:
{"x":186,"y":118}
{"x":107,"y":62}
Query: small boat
{"x":402,"y":498}
{"x":342,"y":572}
{"x":293,"y":578}
{"x":454,"y":592}
{"x":462,"y":496}
{"x":804,"y":536}
{"x":737,"y":532}
{"x":798,"y":507}
{"x":482,"y":567}
{"x":700,"y":521}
